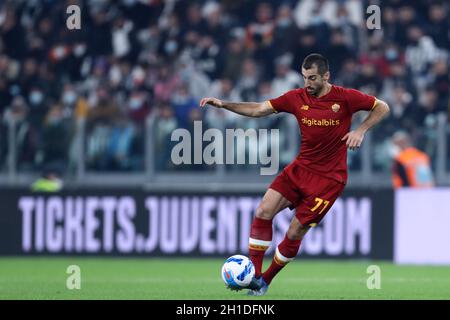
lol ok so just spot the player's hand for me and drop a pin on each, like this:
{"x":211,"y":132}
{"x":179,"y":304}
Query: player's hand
{"x":212,"y":101}
{"x":354,"y":139}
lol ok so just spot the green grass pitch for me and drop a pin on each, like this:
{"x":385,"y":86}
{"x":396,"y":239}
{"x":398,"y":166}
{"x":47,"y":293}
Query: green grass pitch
{"x":180,"y":279}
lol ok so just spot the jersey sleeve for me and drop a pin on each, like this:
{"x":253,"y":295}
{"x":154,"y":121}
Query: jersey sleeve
{"x":284,"y":103}
{"x":358,"y":101}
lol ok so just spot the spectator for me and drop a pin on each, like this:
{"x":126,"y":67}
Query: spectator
{"x":285,"y":29}
{"x":122,"y":43}
{"x":390,"y":24}
{"x":407,"y":19}
{"x":25,"y":137}
{"x":377,"y":57}
{"x":13,"y":35}
{"x":56,"y":135}
{"x":38,"y":106}
{"x":399,"y":77}
{"x":235,"y":53}
{"x":285,"y":78}
{"x":440,"y":80}
{"x":104,"y":110}
{"x":182,"y":104}
{"x":420,"y":52}
{"x":439,"y":24}
{"x":165,"y":84}
{"x":188,"y":73}
{"x":164,"y":127}
{"x":428,"y":109}
{"x":138,"y":107}
{"x":338,"y":51}
{"x":133,"y":51}
{"x":260,"y":32}
{"x":349,"y":73}
{"x":210,"y":57}
{"x":305,"y":44}
{"x":99,"y":40}
{"x":369,"y":80}
{"x":248,"y":80}
{"x":212,"y":12}
{"x":347,"y":24}
{"x":194,"y":20}
{"x":219,"y":118}
{"x":402,"y":112}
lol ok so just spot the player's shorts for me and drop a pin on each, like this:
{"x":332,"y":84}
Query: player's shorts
{"x":312,"y":195}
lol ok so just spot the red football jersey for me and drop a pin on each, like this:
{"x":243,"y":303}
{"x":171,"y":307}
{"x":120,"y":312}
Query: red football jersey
{"x":323,"y":123}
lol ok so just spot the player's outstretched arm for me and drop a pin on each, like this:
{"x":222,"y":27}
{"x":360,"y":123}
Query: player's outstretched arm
{"x":250,"y":109}
{"x":354,"y":138}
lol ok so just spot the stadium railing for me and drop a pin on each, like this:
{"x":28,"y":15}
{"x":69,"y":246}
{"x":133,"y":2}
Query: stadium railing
{"x":217,"y":178}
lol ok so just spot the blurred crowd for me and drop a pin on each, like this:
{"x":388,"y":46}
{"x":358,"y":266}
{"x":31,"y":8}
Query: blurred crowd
{"x":135,"y":58}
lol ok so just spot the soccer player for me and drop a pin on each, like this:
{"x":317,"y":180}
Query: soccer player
{"x":317,"y":176}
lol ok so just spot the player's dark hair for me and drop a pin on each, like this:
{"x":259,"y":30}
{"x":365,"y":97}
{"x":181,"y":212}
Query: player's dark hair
{"x":316,"y":59}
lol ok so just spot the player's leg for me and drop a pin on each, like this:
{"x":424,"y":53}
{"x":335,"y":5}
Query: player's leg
{"x":287,"y":250}
{"x":322,"y":193}
{"x":261,"y":228}
{"x":284,"y":253}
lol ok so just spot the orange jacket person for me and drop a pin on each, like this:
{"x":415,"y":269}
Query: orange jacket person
{"x":411,"y":166}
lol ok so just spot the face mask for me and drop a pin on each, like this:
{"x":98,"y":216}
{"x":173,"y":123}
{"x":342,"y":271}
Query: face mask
{"x":53,"y":121}
{"x":316,"y":20}
{"x":391,"y":54}
{"x":36,"y":97}
{"x":185,"y":74}
{"x":69,"y":98}
{"x":59,"y":52}
{"x":430,"y":121}
{"x":171,"y":46}
{"x":342,"y":20}
{"x":135,"y":103}
{"x":79,"y":50}
{"x":284,"y":22}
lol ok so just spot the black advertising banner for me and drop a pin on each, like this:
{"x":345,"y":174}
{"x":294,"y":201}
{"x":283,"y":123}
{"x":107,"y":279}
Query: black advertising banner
{"x":135,"y":222}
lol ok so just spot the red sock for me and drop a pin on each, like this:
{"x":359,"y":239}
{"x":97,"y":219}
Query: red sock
{"x":260,"y":240}
{"x":285,"y":252}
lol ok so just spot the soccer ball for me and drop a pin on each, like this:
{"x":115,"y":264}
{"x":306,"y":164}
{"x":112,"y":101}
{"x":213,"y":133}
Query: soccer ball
{"x":238,"y":271}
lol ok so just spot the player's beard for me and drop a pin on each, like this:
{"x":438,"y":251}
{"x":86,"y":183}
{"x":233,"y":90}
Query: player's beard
{"x":314,"y":91}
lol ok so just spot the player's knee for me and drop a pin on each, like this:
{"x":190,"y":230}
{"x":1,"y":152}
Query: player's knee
{"x":263,"y":212}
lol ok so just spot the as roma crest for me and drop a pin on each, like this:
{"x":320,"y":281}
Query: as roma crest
{"x":335,"y":107}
